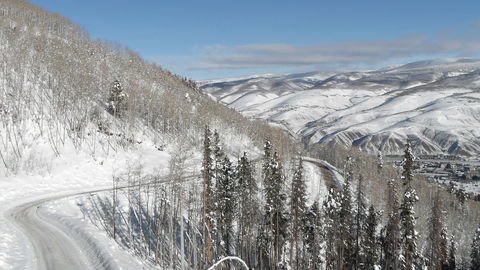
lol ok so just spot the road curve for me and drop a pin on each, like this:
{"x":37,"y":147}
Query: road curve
{"x":53,"y":247}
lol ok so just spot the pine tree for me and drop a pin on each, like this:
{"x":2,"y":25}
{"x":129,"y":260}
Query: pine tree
{"x":370,"y":243}
{"x":407,"y":214}
{"x":345,"y":243}
{"x":218,"y":175}
{"x":225,"y":200}
{"x":331,"y":208}
{"x":437,"y":255}
{"x":275,"y":216}
{"x":359,"y":223}
{"x":207,"y":195}
{"x":443,"y":246}
{"x":312,"y":232}
{"x":247,"y":191}
{"x":298,"y":208}
{"x":451,"y":256}
{"x":116,"y":100}
{"x":391,"y":243}
{"x":475,"y":253}
{"x":217,"y":168}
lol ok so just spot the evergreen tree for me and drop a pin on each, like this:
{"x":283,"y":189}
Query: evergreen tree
{"x":225,"y":199}
{"x":116,"y":100}
{"x":312,"y":232}
{"x":275,"y":216}
{"x":345,"y":243}
{"x":475,"y":253}
{"x":391,"y":243}
{"x":407,"y":214}
{"x":461,"y":195}
{"x":451,"y":256}
{"x":443,"y":249}
{"x":331,"y":208}
{"x":247,"y":191}
{"x":207,"y":195}
{"x":359,"y":223}
{"x":218,"y":157}
{"x":437,"y":238}
{"x":370,"y":243}
{"x":298,"y":208}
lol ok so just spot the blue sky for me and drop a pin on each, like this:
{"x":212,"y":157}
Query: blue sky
{"x":213,"y":39}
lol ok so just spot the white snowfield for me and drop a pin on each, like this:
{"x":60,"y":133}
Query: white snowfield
{"x":436,"y":103}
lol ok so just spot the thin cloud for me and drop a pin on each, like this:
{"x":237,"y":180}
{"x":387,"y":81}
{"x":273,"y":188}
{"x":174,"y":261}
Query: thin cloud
{"x":346,"y":53}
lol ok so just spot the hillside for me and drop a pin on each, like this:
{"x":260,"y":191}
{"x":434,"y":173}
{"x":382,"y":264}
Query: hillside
{"x":435,"y":103}
{"x":63,"y":131}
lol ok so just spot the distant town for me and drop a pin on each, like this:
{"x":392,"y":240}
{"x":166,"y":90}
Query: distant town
{"x":444,"y":169}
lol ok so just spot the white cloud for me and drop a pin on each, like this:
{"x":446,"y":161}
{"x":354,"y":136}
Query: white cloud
{"x":346,"y":53}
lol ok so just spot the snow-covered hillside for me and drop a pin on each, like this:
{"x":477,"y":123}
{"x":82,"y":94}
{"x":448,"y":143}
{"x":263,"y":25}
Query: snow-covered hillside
{"x":436,"y":103}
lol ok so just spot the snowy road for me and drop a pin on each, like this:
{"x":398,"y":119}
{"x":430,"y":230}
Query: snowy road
{"x":55,"y":245}
{"x":54,"y":248}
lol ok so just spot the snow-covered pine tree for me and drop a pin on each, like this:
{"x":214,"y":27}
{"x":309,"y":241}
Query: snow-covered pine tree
{"x":444,"y":248}
{"x":217,"y":167}
{"x":207,"y":195}
{"x":370,"y":242}
{"x":380,"y":163}
{"x":225,"y":200}
{"x":312,"y":239}
{"x":437,"y":254}
{"x":280,"y":220}
{"x":345,"y":241}
{"x":407,"y":214}
{"x":391,"y":239}
{"x":331,"y":208}
{"x":116,"y":99}
{"x":451,"y":255}
{"x":274,"y":204}
{"x":298,"y":208}
{"x":359,"y":223}
{"x":219,"y":178}
{"x":475,"y":253}
{"x":246,"y":192}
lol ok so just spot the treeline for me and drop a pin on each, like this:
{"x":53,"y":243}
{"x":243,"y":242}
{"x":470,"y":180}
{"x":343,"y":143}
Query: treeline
{"x":346,"y":232}
{"x":459,"y":215}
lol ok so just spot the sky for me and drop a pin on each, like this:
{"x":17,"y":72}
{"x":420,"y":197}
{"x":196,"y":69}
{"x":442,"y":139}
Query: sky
{"x":217,"y":39}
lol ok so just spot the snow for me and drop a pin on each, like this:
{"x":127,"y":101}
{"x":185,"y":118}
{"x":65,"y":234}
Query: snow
{"x":316,"y":188}
{"x":69,"y":214}
{"x":74,"y":171}
{"x":337,"y":176}
{"x":435,"y":101}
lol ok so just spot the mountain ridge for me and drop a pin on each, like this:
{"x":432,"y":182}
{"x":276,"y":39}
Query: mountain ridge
{"x":435,"y":103}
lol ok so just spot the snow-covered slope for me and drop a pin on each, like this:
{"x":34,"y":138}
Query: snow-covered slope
{"x":436,"y":103}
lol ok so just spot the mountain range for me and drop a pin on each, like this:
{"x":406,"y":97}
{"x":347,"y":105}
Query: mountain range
{"x":434,"y":103}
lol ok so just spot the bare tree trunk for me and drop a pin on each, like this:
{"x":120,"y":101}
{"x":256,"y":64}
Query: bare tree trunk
{"x":172,"y":234}
{"x":182,"y":241}
{"x":159,"y":229}
{"x":114,"y":205}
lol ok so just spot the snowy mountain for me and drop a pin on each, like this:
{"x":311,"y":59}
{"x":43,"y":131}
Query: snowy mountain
{"x":435,"y":103}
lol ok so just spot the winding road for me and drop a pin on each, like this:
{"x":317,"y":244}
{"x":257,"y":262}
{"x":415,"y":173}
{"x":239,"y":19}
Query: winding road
{"x":54,"y":248}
